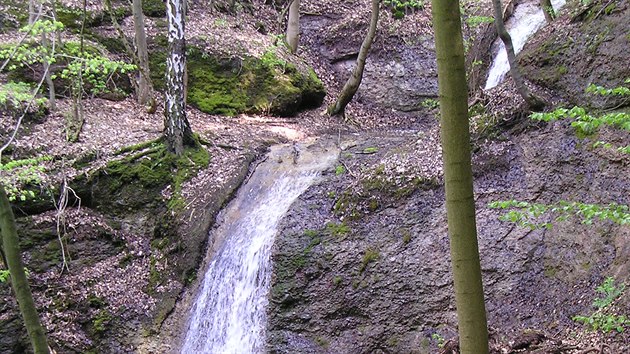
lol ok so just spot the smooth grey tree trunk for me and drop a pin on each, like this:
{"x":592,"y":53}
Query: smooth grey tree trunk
{"x":352,"y":85}
{"x":177,"y":131}
{"x":19,"y":282}
{"x":145,"y":86}
{"x":293,"y":26}
{"x":460,"y":203}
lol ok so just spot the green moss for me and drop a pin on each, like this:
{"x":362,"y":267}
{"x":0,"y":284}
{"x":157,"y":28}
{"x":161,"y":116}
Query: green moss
{"x":337,"y":230}
{"x":101,"y":322}
{"x":154,"y":8}
{"x":229,"y":86}
{"x":369,"y":256}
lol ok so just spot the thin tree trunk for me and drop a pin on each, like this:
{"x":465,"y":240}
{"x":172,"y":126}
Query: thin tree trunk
{"x":547,"y":8}
{"x":352,"y":85}
{"x":49,"y":81}
{"x":533,"y":102}
{"x":177,"y":130}
{"x":293,"y":26}
{"x":19,"y":282}
{"x":460,"y":204}
{"x":145,"y":86}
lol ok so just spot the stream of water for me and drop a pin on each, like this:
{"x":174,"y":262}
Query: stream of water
{"x":525,"y":21}
{"x":229,"y":314}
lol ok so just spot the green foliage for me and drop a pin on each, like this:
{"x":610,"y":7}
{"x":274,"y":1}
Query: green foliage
{"x":584,"y":123}
{"x":400,"y":8}
{"x":439,"y":339}
{"x":370,"y":150}
{"x":17,"y":175}
{"x":474,"y":21}
{"x":339,"y":170}
{"x":527,"y":214}
{"x":17,"y":94}
{"x":617,"y":91}
{"x":604,"y":318}
{"x":4,"y":275}
{"x":154,"y":8}
{"x":430,"y":103}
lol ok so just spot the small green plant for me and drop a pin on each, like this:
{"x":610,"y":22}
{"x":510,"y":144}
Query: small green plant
{"x":270,"y":59}
{"x":439,"y":339}
{"x":474,"y":21}
{"x":527,"y":214}
{"x":337,"y":280}
{"x":15,"y":94}
{"x":370,"y":150}
{"x":369,"y":256}
{"x":604,"y":318}
{"x":4,"y":275}
{"x":430,"y":103}
{"x":16,"y":175}
{"x":401,"y":8}
{"x":337,"y":230}
{"x":339,"y":170}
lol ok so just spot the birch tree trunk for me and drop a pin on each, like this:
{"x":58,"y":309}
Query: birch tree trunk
{"x":460,"y":204}
{"x":533,"y":102}
{"x":19,"y":282}
{"x":145,"y":86}
{"x":177,"y":131}
{"x":352,"y":85}
{"x":547,"y":8}
{"x":293,"y":26}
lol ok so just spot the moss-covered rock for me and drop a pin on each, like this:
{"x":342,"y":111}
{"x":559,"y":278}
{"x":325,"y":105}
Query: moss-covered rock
{"x":229,"y":86}
{"x":154,"y":8}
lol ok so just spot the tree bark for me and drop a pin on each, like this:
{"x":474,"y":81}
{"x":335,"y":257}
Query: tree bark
{"x":533,"y":102}
{"x":547,"y":8}
{"x":460,"y":204}
{"x":177,"y":130}
{"x":352,"y":85}
{"x":19,"y":282}
{"x":145,"y":86}
{"x":293,"y":26}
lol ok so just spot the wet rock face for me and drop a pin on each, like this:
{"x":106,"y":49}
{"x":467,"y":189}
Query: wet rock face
{"x":381,"y":282}
{"x":397,"y":75}
{"x":586,"y":48}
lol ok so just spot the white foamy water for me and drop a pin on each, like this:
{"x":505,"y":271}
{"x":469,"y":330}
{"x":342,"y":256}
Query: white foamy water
{"x":524,"y":22}
{"x":229,"y":315}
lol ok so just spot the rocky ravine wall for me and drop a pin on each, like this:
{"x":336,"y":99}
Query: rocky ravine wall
{"x":377,"y":280}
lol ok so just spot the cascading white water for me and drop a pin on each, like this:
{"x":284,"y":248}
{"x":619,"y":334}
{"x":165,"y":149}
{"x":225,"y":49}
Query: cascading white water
{"x":229,"y":313}
{"x":525,"y":21}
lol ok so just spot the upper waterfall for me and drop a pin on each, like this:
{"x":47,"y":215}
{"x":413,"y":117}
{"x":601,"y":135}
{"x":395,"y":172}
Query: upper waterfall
{"x":524,"y":22}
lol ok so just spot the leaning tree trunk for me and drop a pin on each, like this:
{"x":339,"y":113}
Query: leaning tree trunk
{"x":352,"y":85}
{"x":460,"y":204}
{"x":547,"y":8}
{"x":293,"y":26}
{"x":19,"y":282}
{"x":177,"y":130}
{"x":145,"y":87}
{"x":533,"y":102}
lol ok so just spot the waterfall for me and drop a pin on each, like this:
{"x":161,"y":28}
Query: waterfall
{"x":229,"y":314}
{"x":524,"y":22}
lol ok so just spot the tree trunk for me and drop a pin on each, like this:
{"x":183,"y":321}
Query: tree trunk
{"x":19,"y":282}
{"x":352,"y":85}
{"x":145,"y":87}
{"x":49,"y":81}
{"x":547,"y":8}
{"x":177,"y":130}
{"x":460,"y":204}
{"x":533,"y":102}
{"x":293,"y":26}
